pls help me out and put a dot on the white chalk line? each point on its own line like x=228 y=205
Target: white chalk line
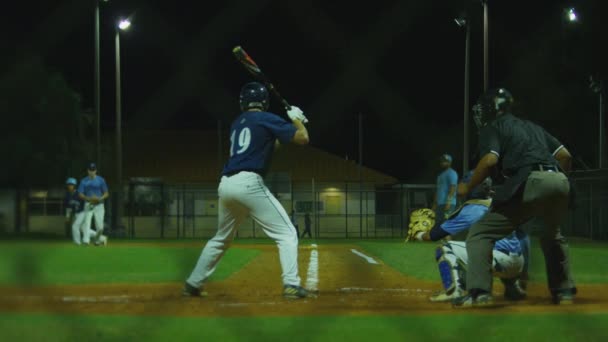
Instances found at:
x=369 y=289
x=76 y=299
x=367 y=258
x=312 y=276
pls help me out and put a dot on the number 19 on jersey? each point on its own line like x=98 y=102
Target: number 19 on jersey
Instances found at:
x=243 y=141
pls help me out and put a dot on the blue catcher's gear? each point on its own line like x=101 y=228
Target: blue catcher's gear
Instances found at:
x=71 y=181
x=254 y=95
x=482 y=191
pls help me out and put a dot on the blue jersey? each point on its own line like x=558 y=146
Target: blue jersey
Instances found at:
x=73 y=201
x=93 y=187
x=468 y=215
x=445 y=180
x=252 y=139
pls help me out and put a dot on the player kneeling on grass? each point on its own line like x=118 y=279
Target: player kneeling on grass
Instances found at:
x=242 y=192
x=508 y=255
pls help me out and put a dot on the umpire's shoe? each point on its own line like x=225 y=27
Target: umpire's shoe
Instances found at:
x=296 y=292
x=564 y=296
x=474 y=300
x=513 y=290
x=191 y=291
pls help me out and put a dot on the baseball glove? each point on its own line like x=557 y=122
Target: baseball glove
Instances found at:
x=421 y=220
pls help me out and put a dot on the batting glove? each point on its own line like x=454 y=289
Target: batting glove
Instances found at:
x=296 y=113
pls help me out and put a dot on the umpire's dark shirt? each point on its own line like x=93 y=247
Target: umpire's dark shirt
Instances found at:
x=520 y=146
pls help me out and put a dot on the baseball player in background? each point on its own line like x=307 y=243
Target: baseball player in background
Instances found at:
x=93 y=190
x=74 y=210
x=253 y=136
x=510 y=254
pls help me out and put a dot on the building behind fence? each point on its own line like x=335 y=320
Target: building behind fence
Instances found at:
x=154 y=209
x=363 y=203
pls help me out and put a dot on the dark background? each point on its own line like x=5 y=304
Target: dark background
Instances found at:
x=399 y=64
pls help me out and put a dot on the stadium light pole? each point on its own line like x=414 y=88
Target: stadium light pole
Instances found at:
x=485 y=45
x=123 y=25
x=97 y=86
x=463 y=22
x=597 y=86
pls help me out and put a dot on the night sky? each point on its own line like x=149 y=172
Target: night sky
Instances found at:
x=397 y=63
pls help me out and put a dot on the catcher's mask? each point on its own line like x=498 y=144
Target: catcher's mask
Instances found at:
x=482 y=191
x=491 y=105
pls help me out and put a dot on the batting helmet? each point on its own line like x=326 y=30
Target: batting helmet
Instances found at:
x=254 y=95
x=71 y=181
x=492 y=104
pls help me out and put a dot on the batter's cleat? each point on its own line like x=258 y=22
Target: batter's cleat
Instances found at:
x=103 y=240
x=564 y=297
x=191 y=291
x=443 y=296
x=296 y=292
x=469 y=301
x=513 y=290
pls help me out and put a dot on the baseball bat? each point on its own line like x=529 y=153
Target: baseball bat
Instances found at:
x=257 y=73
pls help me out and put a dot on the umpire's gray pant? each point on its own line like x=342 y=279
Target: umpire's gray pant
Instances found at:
x=546 y=197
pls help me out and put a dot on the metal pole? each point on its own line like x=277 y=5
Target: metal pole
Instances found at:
x=118 y=133
x=485 y=44
x=466 y=143
x=602 y=128
x=97 y=90
x=360 y=175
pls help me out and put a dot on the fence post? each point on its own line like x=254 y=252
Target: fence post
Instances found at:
x=346 y=206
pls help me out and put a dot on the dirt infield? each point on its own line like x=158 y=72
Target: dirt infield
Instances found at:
x=349 y=282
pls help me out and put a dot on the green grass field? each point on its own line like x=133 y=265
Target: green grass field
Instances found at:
x=53 y=263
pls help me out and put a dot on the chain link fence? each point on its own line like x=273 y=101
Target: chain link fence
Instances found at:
x=153 y=209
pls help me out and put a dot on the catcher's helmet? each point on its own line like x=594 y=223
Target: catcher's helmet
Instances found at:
x=71 y=181
x=492 y=104
x=254 y=95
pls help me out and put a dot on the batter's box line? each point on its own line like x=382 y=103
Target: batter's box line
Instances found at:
x=370 y=289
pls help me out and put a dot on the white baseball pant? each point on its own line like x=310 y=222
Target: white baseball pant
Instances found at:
x=241 y=195
x=77 y=227
x=506 y=266
x=97 y=212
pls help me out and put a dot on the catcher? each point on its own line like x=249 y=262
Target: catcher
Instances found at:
x=509 y=254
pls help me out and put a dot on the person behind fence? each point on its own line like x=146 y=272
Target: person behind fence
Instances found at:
x=534 y=166
x=445 y=195
x=294 y=221
x=74 y=210
x=94 y=191
x=509 y=253
x=307 y=223
x=254 y=134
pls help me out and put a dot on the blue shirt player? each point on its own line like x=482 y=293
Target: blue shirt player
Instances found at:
x=445 y=195
x=509 y=254
x=74 y=210
x=253 y=137
x=94 y=190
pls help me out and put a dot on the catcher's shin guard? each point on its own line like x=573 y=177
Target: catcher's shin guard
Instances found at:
x=451 y=273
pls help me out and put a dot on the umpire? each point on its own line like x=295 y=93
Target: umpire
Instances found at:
x=532 y=164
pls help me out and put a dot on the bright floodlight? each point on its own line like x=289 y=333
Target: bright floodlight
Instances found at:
x=461 y=22
x=124 y=24
x=572 y=15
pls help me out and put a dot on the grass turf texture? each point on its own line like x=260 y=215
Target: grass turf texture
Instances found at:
x=556 y=327
x=418 y=259
x=62 y=263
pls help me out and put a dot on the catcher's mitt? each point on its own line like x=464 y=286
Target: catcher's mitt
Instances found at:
x=421 y=220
